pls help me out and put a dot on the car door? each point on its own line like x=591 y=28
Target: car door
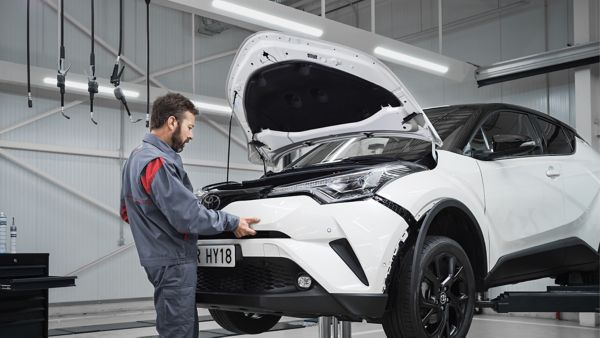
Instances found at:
x=580 y=173
x=523 y=191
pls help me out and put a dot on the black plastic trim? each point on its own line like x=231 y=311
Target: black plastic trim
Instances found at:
x=425 y=224
x=343 y=248
x=546 y=260
x=259 y=234
x=314 y=302
x=405 y=214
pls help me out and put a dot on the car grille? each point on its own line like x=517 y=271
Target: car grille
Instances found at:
x=251 y=275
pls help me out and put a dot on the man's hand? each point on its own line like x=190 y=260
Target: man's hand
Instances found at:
x=243 y=229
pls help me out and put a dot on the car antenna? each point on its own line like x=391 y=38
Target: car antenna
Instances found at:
x=62 y=71
x=118 y=69
x=92 y=83
x=29 y=100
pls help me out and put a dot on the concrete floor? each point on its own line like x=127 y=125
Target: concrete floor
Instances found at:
x=488 y=326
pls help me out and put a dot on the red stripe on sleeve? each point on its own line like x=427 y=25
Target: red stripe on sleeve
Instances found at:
x=124 y=214
x=151 y=169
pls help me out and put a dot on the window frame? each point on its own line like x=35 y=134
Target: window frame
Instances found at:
x=571 y=140
x=537 y=137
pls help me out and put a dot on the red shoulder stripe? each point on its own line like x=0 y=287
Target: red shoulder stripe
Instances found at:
x=124 y=215
x=151 y=169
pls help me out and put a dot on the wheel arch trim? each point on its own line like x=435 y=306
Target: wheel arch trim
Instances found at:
x=425 y=223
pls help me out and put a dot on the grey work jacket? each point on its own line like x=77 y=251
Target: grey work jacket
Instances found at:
x=158 y=202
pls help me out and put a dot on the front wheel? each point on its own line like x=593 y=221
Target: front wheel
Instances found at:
x=445 y=299
x=244 y=322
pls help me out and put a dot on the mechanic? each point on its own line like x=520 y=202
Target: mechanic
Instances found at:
x=166 y=217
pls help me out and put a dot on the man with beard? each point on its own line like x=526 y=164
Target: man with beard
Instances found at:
x=166 y=217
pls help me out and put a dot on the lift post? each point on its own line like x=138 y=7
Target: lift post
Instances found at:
x=329 y=325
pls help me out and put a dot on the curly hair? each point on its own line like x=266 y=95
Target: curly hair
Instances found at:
x=171 y=104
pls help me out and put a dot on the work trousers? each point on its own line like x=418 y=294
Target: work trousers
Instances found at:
x=175 y=299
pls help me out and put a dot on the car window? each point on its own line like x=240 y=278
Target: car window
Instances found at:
x=572 y=138
x=317 y=154
x=555 y=139
x=503 y=130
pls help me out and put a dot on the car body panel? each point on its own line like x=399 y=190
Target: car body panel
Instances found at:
x=374 y=233
x=581 y=180
x=521 y=201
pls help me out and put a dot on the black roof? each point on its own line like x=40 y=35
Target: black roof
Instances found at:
x=446 y=119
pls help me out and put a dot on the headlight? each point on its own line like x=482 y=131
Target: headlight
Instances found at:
x=356 y=185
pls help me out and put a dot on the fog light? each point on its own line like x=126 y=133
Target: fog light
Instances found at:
x=304 y=282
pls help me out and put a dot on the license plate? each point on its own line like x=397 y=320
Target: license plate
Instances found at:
x=216 y=255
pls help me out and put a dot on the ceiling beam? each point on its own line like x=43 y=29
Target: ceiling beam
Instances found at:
x=188 y=64
x=541 y=63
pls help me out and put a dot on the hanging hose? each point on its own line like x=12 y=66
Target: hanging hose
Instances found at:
x=147 y=63
x=92 y=83
x=62 y=71
x=118 y=69
x=29 y=100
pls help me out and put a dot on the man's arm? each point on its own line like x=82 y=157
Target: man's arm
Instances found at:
x=181 y=207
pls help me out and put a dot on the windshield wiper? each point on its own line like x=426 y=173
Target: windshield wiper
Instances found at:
x=369 y=159
x=319 y=166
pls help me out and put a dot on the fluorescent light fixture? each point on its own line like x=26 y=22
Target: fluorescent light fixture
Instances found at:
x=212 y=107
x=411 y=60
x=84 y=86
x=269 y=19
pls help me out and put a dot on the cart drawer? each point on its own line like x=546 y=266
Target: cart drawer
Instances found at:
x=36 y=283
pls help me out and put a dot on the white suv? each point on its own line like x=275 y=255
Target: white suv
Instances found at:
x=391 y=213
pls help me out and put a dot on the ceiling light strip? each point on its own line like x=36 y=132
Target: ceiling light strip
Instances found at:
x=269 y=19
x=410 y=60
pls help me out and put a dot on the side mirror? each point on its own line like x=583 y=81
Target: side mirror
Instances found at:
x=508 y=145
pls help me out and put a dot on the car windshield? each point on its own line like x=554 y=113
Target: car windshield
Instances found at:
x=366 y=149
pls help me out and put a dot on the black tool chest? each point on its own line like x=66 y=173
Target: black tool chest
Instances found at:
x=24 y=284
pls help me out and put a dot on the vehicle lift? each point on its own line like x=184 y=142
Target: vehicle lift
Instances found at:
x=583 y=298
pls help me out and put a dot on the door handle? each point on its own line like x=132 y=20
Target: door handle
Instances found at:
x=552 y=173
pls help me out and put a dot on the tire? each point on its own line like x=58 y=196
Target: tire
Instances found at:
x=244 y=322
x=439 y=312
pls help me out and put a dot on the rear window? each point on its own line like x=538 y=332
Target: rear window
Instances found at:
x=555 y=139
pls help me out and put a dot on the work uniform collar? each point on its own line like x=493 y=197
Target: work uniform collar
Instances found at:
x=161 y=145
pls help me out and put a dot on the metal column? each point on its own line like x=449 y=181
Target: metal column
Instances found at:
x=346 y=329
x=324 y=327
x=329 y=325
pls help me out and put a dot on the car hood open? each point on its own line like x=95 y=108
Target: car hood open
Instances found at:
x=286 y=91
